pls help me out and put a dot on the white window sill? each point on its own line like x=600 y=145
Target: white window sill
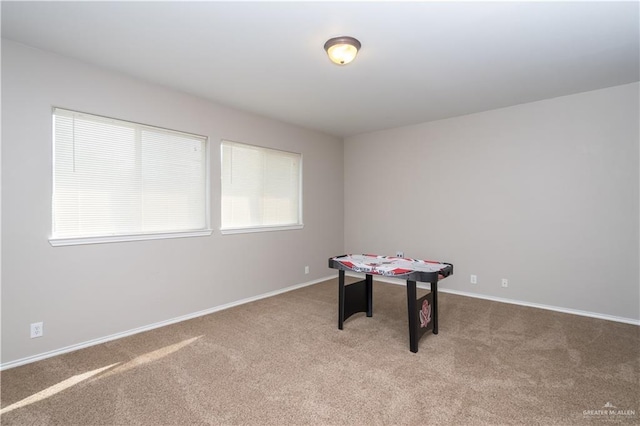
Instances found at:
x=57 y=242
x=227 y=231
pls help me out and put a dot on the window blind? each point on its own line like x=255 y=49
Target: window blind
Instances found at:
x=113 y=177
x=261 y=187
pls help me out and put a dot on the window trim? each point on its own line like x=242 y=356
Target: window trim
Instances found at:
x=71 y=241
x=61 y=242
x=266 y=228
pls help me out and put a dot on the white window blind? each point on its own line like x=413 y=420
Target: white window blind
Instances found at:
x=261 y=188
x=117 y=178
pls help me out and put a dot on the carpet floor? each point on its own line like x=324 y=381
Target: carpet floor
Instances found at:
x=282 y=361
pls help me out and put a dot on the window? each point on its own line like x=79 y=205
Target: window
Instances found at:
x=115 y=181
x=261 y=188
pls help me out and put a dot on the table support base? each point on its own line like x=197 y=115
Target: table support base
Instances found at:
x=353 y=298
x=422 y=312
x=358 y=297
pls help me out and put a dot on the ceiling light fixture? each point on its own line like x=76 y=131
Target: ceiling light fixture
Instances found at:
x=342 y=50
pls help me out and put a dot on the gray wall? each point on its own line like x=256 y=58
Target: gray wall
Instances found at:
x=544 y=194
x=92 y=291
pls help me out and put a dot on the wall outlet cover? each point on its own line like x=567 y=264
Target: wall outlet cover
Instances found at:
x=37 y=329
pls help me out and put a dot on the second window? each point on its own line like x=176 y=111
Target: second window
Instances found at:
x=261 y=188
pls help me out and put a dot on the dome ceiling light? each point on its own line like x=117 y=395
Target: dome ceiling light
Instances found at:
x=342 y=50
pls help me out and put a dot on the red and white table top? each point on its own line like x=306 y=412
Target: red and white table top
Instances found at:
x=390 y=266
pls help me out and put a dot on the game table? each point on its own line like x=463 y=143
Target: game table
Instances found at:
x=358 y=296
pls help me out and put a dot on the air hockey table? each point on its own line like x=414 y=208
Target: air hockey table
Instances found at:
x=358 y=296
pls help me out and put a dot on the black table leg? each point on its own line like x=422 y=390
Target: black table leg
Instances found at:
x=434 y=291
x=369 y=281
x=412 y=309
x=423 y=313
x=340 y=299
x=353 y=298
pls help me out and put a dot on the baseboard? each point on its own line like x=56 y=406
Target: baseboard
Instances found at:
x=516 y=302
x=93 y=342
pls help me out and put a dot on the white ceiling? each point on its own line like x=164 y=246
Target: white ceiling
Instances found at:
x=420 y=61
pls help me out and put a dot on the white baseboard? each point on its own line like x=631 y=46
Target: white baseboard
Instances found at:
x=547 y=307
x=93 y=342
x=514 y=302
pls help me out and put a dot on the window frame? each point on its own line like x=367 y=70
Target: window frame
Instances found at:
x=263 y=228
x=155 y=235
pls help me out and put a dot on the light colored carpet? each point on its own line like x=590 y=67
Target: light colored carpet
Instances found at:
x=282 y=360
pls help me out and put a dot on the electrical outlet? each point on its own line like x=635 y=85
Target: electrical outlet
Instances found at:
x=306 y=269
x=505 y=283
x=37 y=329
x=399 y=254
x=474 y=279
